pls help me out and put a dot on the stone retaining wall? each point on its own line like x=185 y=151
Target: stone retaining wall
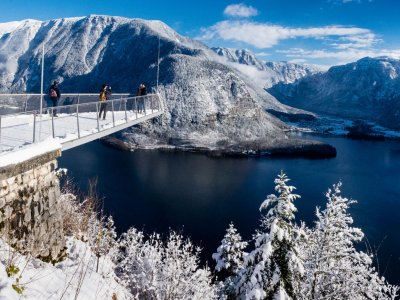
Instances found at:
x=30 y=218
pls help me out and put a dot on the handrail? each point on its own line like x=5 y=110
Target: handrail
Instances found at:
x=25 y=102
x=80 y=104
x=63 y=94
x=14 y=129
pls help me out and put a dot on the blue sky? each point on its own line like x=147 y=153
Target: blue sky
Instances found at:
x=324 y=32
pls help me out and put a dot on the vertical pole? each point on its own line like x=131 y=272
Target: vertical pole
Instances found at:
x=77 y=121
x=26 y=103
x=34 y=127
x=41 y=92
x=136 y=106
x=126 y=114
x=158 y=61
x=151 y=104
x=41 y=81
x=120 y=102
x=78 y=98
x=52 y=122
x=97 y=114
x=144 y=104
x=112 y=108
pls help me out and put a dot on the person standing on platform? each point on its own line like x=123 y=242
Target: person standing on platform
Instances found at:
x=54 y=95
x=103 y=97
x=141 y=92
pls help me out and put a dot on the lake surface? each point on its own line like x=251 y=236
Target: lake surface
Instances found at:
x=200 y=196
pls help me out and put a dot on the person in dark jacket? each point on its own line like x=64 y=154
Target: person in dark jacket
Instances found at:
x=54 y=96
x=141 y=91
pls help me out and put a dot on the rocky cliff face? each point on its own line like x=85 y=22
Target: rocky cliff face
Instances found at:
x=367 y=89
x=208 y=103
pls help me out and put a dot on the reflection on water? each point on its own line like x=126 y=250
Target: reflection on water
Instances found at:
x=201 y=195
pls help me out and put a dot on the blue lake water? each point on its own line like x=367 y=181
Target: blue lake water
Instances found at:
x=199 y=195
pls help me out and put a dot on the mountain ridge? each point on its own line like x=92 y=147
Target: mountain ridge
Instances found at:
x=366 y=89
x=268 y=73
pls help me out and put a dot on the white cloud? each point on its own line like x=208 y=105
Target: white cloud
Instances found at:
x=358 y=41
x=341 y=56
x=346 y=1
x=240 y=10
x=298 y=61
x=261 y=35
x=262 y=54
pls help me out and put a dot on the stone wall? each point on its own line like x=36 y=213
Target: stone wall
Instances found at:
x=30 y=218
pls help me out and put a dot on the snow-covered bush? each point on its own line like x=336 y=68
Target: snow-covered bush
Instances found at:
x=85 y=221
x=156 y=269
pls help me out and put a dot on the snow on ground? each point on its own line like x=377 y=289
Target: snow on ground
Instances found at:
x=11 y=158
x=73 y=278
x=336 y=126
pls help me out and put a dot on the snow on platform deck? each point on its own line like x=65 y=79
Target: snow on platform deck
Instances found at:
x=71 y=128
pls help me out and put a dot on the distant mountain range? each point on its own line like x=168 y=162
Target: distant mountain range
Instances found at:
x=267 y=74
x=209 y=103
x=366 y=89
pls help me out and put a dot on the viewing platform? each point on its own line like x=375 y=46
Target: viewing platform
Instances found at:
x=76 y=122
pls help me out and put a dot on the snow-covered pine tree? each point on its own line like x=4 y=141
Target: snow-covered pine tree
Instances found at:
x=335 y=269
x=229 y=255
x=229 y=259
x=273 y=268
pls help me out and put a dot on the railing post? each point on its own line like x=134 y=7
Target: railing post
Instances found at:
x=126 y=114
x=112 y=108
x=77 y=121
x=120 y=101
x=136 y=108
x=26 y=102
x=97 y=115
x=52 y=122
x=34 y=127
x=77 y=101
x=144 y=104
x=151 y=104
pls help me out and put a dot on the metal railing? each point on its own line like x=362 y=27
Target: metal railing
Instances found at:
x=14 y=103
x=73 y=121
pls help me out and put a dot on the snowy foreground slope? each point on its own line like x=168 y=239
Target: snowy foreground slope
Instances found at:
x=208 y=103
x=367 y=89
x=266 y=74
x=73 y=278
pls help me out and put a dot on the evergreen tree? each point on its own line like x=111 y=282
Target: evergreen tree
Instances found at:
x=229 y=259
x=335 y=269
x=229 y=255
x=272 y=270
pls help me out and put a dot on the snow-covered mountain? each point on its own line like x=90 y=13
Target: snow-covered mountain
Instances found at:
x=266 y=74
x=208 y=102
x=241 y=56
x=368 y=89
